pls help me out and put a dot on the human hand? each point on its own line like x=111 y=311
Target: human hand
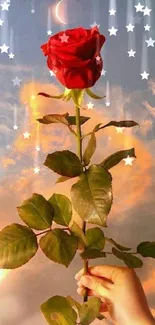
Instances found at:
x=124 y=300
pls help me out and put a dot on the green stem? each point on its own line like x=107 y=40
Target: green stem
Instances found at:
x=79 y=152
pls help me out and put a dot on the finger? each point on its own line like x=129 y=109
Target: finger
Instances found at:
x=109 y=272
x=99 y=285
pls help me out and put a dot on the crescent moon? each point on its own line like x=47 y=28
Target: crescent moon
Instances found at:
x=57 y=12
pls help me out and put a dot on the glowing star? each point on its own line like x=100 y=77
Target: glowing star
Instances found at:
x=131 y=53
x=146 y=11
x=112 y=12
x=51 y=73
x=32 y=11
x=26 y=135
x=128 y=160
x=16 y=82
x=1 y=22
x=103 y=72
x=147 y=27
x=139 y=7
x=98 y=59
x=95 y=25
x=64 y=38
x=15 y=127
x=8 y=147
x=4 y=48
x=107 y=104
x=36 y=170
x=130 y=27
x=37 y=148
x=5 y=6
x=120 y=129
x=11 y=56
x=144 y=75
x=33 y=97
x=49 y=32
x=90 y=105
x=150 y=42
x=113 y=31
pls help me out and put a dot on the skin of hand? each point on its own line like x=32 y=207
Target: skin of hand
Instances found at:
x=119 y=288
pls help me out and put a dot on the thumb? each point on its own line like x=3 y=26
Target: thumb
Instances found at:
x=100 y=286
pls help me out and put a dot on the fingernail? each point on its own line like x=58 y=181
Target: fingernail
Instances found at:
x=85 y=278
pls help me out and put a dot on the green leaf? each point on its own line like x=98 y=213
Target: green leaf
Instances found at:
x=73 y=302
x=96 y=128
x=18 y=244
x=62 y=179
x=90 y=149
x=77 y=231
x=59 y=246
x=92 y=95
x=126 y=124
x=72 y=120
x=146 y=249
x=95 y=238
x=55 y=118
x=129 y=259
x=58 y=311
x=91 y=253
x=115 y=158
x=89 y=311
x=62 y=209
x=64 y=163
x=50 y=96
x=77 y=96
x=36 y=212
x=120 y=247
x=92 y=195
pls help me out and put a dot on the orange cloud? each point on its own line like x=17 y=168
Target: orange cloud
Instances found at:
x=7 y=162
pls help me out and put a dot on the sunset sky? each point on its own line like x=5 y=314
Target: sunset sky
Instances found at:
x=131 y=220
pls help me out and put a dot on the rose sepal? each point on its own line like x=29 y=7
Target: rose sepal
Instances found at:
x=93 y=95
x=66 y=95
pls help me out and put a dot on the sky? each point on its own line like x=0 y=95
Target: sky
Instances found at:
x=131 y=220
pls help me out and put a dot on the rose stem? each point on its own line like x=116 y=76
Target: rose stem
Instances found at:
x=79 y=152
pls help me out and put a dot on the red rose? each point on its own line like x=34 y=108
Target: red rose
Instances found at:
x=74 y=56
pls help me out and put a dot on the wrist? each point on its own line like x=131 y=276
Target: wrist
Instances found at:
x=146 y=320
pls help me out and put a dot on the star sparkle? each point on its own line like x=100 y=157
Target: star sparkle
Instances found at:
x=36 y=170
x=5 y=6
x=128 y=160
x=131 y=53
x=64 y=38
x=37 y=148
x=103 y=72
x=95 y=25
x=144 y=75
x=16 y=82
x=32 y=11
x=11 y=56
x=139 y=7
x=112 y=31
x=1 y=22
x=112 y=12
x=119 y=129
x=147 y=27
x=90 y=105
x=130 y=27
x=107 y=104
x=146 y=11
x=49 y=32
x=98 y=59
x=15 y=127
x=4 y=48
x=26 y=135
x=51 y=73
x=150 y=42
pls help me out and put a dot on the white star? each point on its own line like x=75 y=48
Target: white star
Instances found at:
x=8 y=147
x=131 y=53
x=147 y=27
x=128 y=160
x=150 y=42
x=4 y=48
x=107 y=104
x=113 y=31
x=37 y=148
x=103 y=72
x=36 y=170
x=120 y=129
x=64 y=38
x=51 y=73
x=146 y=11
x=90 y=105
x=16 y=81
x=94 y=25
x=49 y=32
x=26 y=135
x=139 y=7
x=98 y=59
x=130 y=27
x=1 y=22
x=11 y=56
x=144 y=75
x=5 y=6
x=112 y=12
x=32 y=11
x=15 y=127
